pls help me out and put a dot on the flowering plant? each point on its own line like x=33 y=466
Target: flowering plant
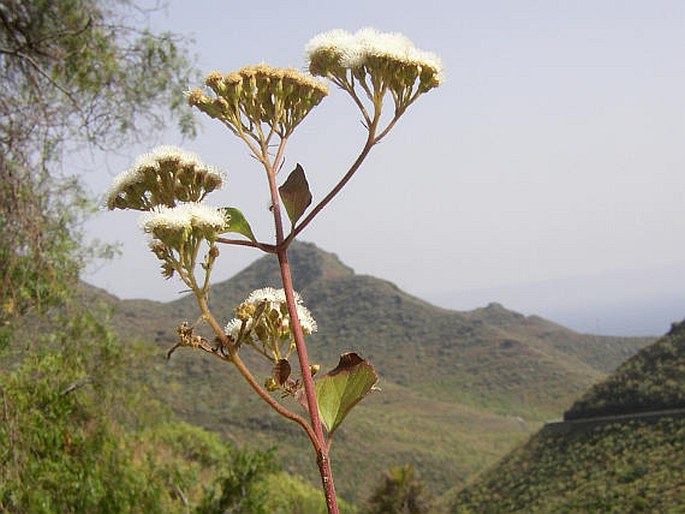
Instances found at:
x=263 y=106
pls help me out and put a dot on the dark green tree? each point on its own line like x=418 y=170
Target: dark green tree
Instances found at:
x=75 y=74
x=63 y=445
x=400 y=492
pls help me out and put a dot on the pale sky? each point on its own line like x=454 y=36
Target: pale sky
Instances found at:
x=547 y=172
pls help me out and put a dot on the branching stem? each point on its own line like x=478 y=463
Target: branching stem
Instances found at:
x=281 y=251
x=247 y=375
x=371 y=140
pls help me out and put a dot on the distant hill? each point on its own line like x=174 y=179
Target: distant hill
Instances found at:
x=619 y=302
x=460 y=389
x=627 y=463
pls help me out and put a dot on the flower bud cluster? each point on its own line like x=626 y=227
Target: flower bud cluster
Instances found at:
x=243 y=99
x=263 y=322
x=175 y=225
x=164 y=176
x=168 y=184
x=376 y=60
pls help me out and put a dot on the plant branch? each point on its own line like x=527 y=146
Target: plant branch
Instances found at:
x=76 y=385
x=247 y=375
x=265 y=247
x=296 y=328
x=371 y=140
x=68 y=94
x=349 y=87
x=390 y=125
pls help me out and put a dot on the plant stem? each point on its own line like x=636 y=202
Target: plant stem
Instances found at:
x=321 y=448
x=322 y=459
x=266 y=248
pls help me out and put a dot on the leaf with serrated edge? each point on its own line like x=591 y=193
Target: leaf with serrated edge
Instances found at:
x=237 y=223
x=295 y=194
x=342 y=388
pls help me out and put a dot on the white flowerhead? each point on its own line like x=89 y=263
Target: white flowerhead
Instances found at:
x=331 y=52
x=384 y=44
x=271 y=295
x=172 y=225
x=164 y=176
x=338 y=45
x=163 y=153
x=120 y=184
x=275 y=301
x=263 y=322
x=168 y=218
x=233 y=328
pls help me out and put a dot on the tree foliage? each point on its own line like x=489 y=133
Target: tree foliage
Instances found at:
x=400 y=492
x=74 y=73
x=63 y=449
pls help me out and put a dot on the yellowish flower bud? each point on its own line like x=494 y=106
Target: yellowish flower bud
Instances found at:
x=244 y=311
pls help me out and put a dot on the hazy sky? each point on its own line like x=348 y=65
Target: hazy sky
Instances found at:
x=546 y=173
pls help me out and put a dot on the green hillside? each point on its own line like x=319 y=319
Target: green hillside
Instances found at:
x=623 y=464
x=460 y=389
x=652 y=380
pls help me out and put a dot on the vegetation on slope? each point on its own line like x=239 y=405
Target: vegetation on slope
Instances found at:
x=629 y=466
x=652 y=380
x=491 y=358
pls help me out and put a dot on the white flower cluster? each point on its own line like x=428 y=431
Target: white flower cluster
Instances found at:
x=275 y=300
x=353 y=50
x=147 y=174
x=185 y=217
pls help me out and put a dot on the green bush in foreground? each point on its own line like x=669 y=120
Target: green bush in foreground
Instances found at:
x=76 y=436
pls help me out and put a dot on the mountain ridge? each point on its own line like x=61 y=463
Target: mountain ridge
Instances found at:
x=459 y=388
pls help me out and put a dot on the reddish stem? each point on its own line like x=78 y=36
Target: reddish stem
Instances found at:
x=322 y=452
x=310 y=394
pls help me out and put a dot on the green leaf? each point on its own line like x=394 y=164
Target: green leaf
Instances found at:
x=295 y=194
x=236 y=222
x=342 y=388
